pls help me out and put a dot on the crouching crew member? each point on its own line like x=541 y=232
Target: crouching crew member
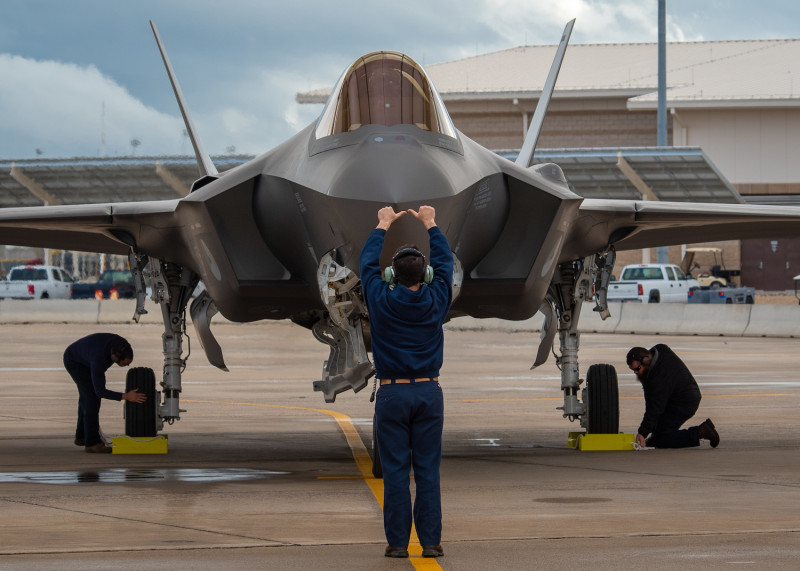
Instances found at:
x=87 y=361
x=671 y=397
x=406 y=313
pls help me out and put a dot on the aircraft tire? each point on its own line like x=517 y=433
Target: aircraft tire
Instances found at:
x=603 y=396
x=140 y=418
x=377 y=468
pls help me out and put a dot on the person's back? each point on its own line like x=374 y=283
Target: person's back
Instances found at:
x=86 y=360
x=669 y=375
x=671 y=397
x=406 y=324
x=406 y=314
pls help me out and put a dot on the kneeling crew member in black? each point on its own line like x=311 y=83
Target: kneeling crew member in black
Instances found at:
x=87 y=361
x=408 y=349
x=671 y=397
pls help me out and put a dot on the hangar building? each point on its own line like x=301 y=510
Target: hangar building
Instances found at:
x=734 y=121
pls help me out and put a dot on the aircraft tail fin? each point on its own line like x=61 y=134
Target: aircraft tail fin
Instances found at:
x=525 y=157
x=203 y=159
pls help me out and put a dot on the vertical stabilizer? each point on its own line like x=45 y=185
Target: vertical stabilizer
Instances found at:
x=525 y=158
x=203 y=159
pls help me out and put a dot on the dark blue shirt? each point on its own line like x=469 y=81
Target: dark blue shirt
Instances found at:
x=94 y=353
x=406 y=325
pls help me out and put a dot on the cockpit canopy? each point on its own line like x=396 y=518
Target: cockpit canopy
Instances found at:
x=384 y=88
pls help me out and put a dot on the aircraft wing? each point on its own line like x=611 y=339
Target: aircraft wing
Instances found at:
x=111 y=228
x=634 y=224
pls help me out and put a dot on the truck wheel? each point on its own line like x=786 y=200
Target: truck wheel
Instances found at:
x=655 y=297
x=140 y=418
x=715 y=285
x=603 y=396
x=377 y=468
x=45 y=295
x=749 y=299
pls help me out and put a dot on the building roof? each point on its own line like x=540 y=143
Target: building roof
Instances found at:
x=710 y=74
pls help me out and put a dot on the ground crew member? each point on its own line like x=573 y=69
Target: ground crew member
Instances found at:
x=406 y=314
x=87 y=361
x=671 y=397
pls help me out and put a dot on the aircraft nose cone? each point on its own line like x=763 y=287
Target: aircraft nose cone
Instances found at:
x=392 y=169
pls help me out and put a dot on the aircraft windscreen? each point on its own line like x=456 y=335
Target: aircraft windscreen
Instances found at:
x=384 y=88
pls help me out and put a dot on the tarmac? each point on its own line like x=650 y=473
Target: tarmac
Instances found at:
x=262 y=474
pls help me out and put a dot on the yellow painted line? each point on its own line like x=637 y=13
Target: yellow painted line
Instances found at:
x=364 y=463
x=559 y=399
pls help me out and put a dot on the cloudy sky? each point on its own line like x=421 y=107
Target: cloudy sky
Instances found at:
x=84 y=78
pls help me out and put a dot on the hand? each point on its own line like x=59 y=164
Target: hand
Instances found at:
x=387 y=215
x=134 y=396
x=640 y=440
x=426 y=215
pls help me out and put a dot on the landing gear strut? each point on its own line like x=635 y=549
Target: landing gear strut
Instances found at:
x=597 y=405
x=172 y=287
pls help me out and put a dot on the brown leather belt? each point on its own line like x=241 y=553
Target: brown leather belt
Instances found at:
x=407 y=381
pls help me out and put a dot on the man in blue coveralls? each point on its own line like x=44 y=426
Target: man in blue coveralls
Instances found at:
x=406 y=320
x=87 y=361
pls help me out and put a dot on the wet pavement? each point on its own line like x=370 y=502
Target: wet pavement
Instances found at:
x=261 y=473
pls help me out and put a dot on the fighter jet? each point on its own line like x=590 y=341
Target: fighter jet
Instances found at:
x=279 y=237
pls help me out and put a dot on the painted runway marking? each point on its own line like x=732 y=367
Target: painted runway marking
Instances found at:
x=487 y=441
x=18 y=369
x=363 y=462
x=124 y=475
x=523 y=399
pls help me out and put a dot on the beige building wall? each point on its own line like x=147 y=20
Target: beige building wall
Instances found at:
x=602 y=122
x=756 y=148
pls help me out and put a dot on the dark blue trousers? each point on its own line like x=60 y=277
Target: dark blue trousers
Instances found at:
x=409 y=420
x=88 y=428
x=669 y=435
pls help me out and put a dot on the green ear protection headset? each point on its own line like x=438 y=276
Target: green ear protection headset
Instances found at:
x=427 y=273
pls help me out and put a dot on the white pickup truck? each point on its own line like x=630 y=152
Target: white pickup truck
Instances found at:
x=36 y=282
x=652 y=283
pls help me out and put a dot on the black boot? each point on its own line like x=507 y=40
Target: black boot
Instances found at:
x=708 y=432
x=401 y=552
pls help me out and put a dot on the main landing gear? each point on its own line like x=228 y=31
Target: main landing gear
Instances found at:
x=172 y=286
x=596 y=406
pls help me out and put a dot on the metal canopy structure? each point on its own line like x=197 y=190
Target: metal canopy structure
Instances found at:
x=93 y=180
x=682 y=174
